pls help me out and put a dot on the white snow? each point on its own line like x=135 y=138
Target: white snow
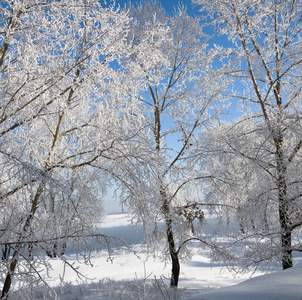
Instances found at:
x=116 y=220
x=285 y=285
x=137 y=275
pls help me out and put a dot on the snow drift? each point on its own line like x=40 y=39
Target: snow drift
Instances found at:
x=280 y=285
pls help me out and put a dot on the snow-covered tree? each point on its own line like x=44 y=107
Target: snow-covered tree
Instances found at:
x=181 y=94
x=261 y=152
x=62 y=106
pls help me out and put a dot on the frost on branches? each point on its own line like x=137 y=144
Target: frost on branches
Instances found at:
x=259 y=156
x=159 y=182
x=62 y=106
x=91 y=93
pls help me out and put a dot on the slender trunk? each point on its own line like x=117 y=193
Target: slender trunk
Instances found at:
x=165 y=207
x=20 y=244
x=287 y=260
x=174 y=256
x=10 y=273
x=286 y=238
x=171 y=244
x=286 y=235
x=52 y=251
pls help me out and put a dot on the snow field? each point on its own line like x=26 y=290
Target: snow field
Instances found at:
x=129 y=275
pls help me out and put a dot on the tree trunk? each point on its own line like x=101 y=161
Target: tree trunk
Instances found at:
x=52 y=250
x=15 y=257
x=287 y=260
x=10 y=273
x=174 y=256
x=286 y=238
x=284 y=219
x=171 y=244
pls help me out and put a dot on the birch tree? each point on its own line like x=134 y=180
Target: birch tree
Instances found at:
x=59 y=98
x=265 y=55
x=181 y=95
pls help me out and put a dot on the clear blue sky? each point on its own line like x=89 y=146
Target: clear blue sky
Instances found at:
x=167 y=5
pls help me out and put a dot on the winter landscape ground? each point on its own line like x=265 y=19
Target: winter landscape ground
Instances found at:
x=135 y=275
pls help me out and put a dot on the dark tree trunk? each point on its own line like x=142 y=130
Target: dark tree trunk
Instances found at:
x=20 y=244
x=287 y=261
x=173 y=254
x=10 y=273
x=286 y=238
x=284 y=218
x=172 y=250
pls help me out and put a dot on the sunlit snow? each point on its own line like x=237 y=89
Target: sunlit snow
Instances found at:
x=135 y=275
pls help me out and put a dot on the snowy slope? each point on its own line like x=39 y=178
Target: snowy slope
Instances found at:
x=285 y=285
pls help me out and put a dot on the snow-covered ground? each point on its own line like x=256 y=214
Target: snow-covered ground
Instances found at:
x=135 y=275
x=285 y=285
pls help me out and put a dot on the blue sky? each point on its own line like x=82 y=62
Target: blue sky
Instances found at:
x=167 y=5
